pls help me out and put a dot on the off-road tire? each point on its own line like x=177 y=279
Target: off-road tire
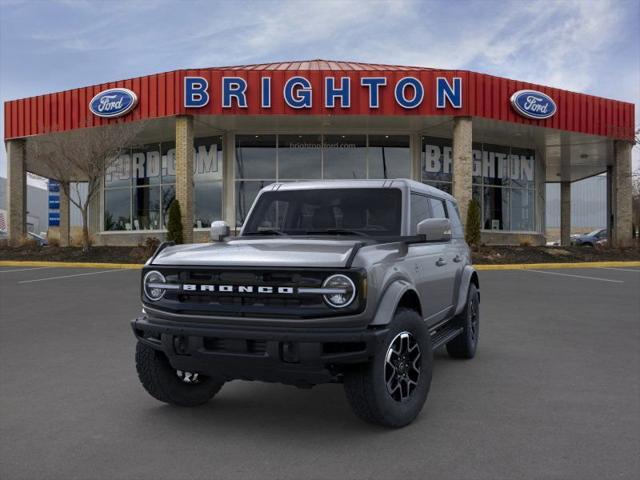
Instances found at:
x=365 y=385
x=160 y=379
x=465 y=344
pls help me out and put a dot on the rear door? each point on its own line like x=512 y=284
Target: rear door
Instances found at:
x=430 y=265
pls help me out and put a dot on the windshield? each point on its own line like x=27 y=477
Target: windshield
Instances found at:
x=339 y=211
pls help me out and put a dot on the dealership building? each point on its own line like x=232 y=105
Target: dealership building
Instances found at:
x=212 y=138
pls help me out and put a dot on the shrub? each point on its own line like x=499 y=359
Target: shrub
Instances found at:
x=174 y=225
x=472 y=233
x=54 y=242
x=151 y=244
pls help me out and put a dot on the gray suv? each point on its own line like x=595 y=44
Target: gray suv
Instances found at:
x=353 y=282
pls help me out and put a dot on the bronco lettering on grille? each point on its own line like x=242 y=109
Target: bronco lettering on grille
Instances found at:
x=190 y=287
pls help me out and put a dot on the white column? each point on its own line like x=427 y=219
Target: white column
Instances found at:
x=462 y=163
x=565 y=213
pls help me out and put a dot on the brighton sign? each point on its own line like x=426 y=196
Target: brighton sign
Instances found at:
x=298 y=93
x=113 y=103
x=533 y=104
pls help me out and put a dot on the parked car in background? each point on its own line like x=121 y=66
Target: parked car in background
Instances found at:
x=591 y=239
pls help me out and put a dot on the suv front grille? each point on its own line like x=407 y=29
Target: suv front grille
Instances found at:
x=287 y=304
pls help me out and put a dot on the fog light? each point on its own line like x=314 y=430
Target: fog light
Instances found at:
x=340 y=291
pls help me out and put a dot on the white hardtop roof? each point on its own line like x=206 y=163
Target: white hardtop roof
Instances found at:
x=395 y=183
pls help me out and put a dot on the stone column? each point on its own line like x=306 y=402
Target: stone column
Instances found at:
x=184 y=173
x=65 y=215
x=462 y=163
x=16 y=191
x=228 y=179
x=565 y=213
x=621 y=235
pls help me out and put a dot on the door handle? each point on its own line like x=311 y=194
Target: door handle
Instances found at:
x=457 y=259
x=441 y=262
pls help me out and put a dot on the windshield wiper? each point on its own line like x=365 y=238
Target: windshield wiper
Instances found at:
x=266 y=232
x=337 y=231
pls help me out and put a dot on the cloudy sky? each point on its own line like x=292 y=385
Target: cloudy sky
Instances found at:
x=583 y=45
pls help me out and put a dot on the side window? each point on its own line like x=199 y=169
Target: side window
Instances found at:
x=454 y=216
x=419 y=210
x=437 y=207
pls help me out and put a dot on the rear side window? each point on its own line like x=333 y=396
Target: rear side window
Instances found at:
x=437 y=208
x=454 y=217
x=419 y=211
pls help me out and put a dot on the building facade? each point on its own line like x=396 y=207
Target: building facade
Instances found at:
x=213 y=137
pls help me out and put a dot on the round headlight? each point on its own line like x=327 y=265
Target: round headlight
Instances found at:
x=342 y=293
x=151 y=285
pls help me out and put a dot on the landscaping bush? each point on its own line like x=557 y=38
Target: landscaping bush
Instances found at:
x=174 y=226
x=472 y=232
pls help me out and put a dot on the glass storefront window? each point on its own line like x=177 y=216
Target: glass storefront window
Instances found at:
x=168 y=162
x=522 y=167
x=436 y=160
x=256 y=156
x=496 y=208
x=145 y=165
x=299 y=156
x=444 y=186
x=118 y=174
x=345 y=156
x=389 y=156
x=117 y=205
x=168 y=194
x=208 y=203
x=521 y=210
x=146 y=208
x=207 y=160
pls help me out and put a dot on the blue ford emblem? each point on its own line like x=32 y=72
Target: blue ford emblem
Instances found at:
x=114 y=102
x=533 y=104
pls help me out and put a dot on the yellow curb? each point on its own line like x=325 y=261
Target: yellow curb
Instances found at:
x=525 y=266
x=28 y=263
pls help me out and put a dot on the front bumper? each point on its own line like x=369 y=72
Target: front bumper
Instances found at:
x=302 y=356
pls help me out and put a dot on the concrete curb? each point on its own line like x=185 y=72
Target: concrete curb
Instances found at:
x=510 y=266
x=29 y=263
x=525 y=266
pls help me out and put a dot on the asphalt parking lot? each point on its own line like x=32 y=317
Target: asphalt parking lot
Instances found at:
x=554 y=392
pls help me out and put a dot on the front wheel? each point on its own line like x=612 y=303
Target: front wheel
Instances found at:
x=164 y=383
x=392 y=388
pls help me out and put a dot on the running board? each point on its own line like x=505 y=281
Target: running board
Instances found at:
x=444 y=335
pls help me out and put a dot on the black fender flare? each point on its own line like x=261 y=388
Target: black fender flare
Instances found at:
x=389 y=302
x=469 y=275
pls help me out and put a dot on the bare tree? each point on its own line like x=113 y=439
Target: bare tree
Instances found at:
x=82 y=156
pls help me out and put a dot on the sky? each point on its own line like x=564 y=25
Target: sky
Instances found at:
x=590 y=46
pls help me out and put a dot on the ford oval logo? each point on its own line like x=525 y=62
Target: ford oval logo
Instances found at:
x=533 y=104
x=114 y=102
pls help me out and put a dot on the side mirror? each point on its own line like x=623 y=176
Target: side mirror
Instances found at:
x=435 y=229
x=219 y=231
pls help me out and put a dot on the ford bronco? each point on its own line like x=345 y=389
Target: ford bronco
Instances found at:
x=354 y=282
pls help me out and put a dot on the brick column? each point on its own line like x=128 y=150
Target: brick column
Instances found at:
x=65 y=215
x=16 y=191
x=184 y=173
x=462 y=163
x=565 y=213
x=228 y=179
x=621 y=235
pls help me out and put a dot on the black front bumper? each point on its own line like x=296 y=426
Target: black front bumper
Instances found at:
x=300 y=356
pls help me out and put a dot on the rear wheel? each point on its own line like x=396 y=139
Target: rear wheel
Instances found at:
x=392 y=388
x=465 y=344
x=164 y=383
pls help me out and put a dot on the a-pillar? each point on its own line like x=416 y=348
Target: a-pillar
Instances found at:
x=621 y=185
x=16 y=191
x=565 y=213
x=184 y=173
x=65 y=214
x=462 y=163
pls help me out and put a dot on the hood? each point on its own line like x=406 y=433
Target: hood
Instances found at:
x=261 y=252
